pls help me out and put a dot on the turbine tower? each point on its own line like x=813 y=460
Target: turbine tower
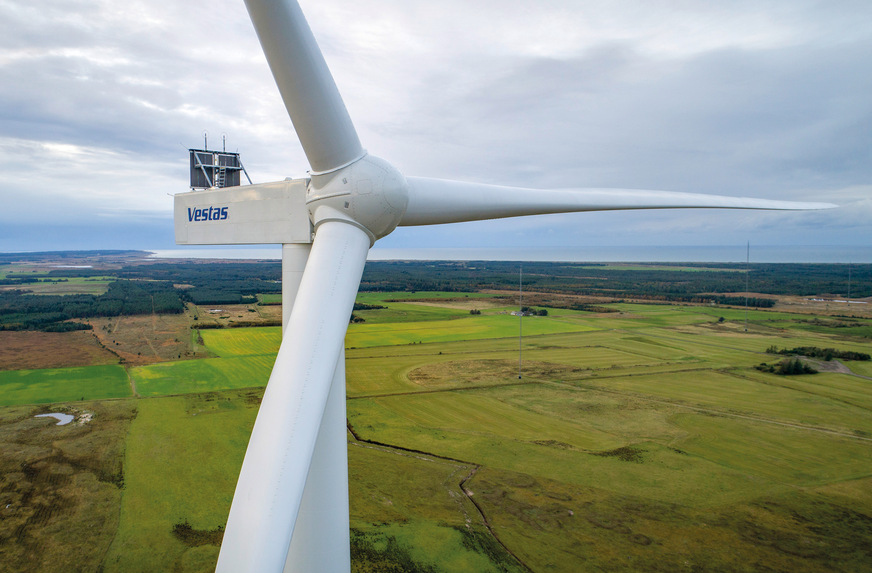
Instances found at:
x=290 y=508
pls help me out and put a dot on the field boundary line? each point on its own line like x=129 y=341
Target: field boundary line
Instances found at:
x=132 y=383
x=462 y=485
x=487 y=524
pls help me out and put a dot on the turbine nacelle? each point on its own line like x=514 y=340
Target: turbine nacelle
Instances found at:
x=369 y=193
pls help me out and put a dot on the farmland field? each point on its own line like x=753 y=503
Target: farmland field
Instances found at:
x=243 y=341
x=61 y=485
x=638 y=439
x=21 y=350
x=144 y=339
x=468 y=328
x=169 y=378
x=63 y=384
x=75 y=285
x=180 y=462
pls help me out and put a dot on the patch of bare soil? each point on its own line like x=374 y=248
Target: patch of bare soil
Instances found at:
x=834 y=366
x=462 y=303
x=236 y=315
x=830 y=366
x=824 y=307
x=146 y=339
x=33 y=350
x=60 y=486
x=726 y=329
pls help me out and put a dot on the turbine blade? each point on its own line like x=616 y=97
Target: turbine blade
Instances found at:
x=436 y=201
x=306 y=85
x=320 y=541
x=280 y=451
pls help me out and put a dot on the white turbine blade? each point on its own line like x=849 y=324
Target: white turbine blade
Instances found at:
x=271 y=483
x=306 y=85
x=320 y=541
x=436 y=201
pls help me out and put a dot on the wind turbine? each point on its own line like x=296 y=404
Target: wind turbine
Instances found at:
x=290 y=508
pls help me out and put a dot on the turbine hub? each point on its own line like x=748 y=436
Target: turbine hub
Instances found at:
x=369 y=192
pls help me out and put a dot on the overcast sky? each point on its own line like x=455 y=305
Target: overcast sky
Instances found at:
x=100 y=100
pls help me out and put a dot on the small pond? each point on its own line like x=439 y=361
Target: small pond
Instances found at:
x=63 y=419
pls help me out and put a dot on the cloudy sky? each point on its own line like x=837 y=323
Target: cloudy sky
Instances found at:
x=100 y=99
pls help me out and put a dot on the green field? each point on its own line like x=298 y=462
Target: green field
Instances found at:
x=207 y=375
x=56 y=285
x=402 y=307
x=71 y=285
x=468 y=328
x=180 y=465
x=227 y=342
x=269 y=298
x=63 y=385
x=638 y=440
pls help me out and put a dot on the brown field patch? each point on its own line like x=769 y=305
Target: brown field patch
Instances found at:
x=146 y=339
x=33 y=350
x=60 y=486
x=462 y=303
x=807 y=305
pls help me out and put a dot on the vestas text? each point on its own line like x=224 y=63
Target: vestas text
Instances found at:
x=210 y=214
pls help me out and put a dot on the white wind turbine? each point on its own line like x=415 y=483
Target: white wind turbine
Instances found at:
x=290 y=509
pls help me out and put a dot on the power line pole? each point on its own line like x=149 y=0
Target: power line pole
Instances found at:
x=747 y=278
x=849 y=283
x=520 y=315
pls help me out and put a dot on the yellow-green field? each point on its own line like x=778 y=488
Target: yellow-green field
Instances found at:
x=638 y=440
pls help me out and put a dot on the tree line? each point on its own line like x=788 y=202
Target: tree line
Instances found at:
x=23 y=311
x=694 y=282
x=164 y=287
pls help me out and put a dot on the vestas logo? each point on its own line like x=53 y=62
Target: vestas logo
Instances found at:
x=210 y=214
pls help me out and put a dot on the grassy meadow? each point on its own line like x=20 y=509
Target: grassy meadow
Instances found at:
x=640 y=440
x=49 y=385
x=181 y=461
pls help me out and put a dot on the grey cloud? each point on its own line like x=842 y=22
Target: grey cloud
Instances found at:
x=440 y=93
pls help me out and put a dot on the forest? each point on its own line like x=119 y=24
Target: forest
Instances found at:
x=22 y=311
x=690 y=282
x=143 y=286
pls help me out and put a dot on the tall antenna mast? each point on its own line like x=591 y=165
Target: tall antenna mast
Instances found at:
x=849 y=283
x=747 y=278
x=520 y=314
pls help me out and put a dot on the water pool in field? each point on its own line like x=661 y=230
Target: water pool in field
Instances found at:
x=63 y=419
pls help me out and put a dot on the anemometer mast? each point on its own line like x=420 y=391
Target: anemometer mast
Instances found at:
x=215 y=169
